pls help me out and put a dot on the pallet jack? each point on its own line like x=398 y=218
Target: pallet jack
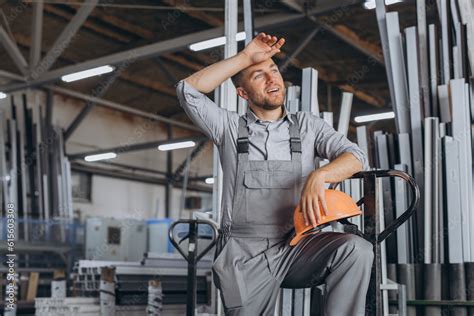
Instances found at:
x=372 y=232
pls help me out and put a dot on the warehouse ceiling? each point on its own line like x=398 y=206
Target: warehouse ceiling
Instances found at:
x=346 y=49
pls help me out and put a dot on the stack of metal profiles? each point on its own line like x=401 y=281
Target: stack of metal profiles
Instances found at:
x=36 y=180
x=432 y=99
x=66 y=306
x=132 y=279
x=78 y=306
x=430 y=75
x=34 y=170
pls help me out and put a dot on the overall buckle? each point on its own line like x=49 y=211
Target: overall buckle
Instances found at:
x=242 y=145
x=295 y=145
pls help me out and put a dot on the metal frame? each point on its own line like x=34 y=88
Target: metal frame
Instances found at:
x=345 y=113
x=453 y=200
x=400 y=93
x=458 y=67
x=309 y=91
x=64 y=38
x=416 y=119
x=148 y=51
x=88 y=107
x=381 y=21
x=433 y=54
x=431 y=200
x=293 y=99
x=163 y=68
x=135 y=147
x=121 y=107
x=348 y=40
x=460 y=128
x=37 y=32
x=362 y=141
x=248 y=21
x=445 y=63
x=422 y=55
x=444 y=107
x=403 y=237
x=299 y=48
x=13 y=51
x=134 y=177
x=192 y=155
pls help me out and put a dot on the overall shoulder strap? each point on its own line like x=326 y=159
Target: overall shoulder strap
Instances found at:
x=295 y=139
x=242 y=140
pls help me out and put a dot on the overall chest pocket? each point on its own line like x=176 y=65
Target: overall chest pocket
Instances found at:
x=269 y=197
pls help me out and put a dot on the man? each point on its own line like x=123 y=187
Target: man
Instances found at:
x=266 y=156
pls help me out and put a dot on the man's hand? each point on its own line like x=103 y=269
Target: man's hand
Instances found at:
x=262 y=47
x=313 y=193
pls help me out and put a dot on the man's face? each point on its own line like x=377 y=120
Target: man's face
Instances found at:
x=262 y=85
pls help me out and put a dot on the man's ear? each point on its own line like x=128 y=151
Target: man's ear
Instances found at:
x=242 y=93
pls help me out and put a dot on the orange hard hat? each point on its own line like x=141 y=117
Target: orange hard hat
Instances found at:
x=339 y=206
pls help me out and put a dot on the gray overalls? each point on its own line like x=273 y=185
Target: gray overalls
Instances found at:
x=253 y=256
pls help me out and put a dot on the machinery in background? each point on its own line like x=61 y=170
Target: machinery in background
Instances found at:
x=115 y=239
x=132 y=279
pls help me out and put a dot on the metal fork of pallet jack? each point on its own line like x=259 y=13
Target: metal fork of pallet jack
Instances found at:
x=192 y=257
x=372 y=227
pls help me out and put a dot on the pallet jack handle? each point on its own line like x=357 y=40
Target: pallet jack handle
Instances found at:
x=192 y=257
x=366 y=175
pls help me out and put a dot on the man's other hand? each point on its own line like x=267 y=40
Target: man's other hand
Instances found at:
x=313 y=193
x=262 y=47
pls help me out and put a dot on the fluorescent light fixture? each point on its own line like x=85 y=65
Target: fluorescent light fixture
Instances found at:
x=218 y=41
x=389 y=2
x=172 y=146
x=100 y=157
x=87 y=73
x=374 y=117
x=209 y=180
x=3 y=95
x=370 y=4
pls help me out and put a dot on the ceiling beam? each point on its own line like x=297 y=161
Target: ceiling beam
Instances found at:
x=142 y=32
x=91 y=25
x=183 y=61
x=133 y=176
x=122 y=24
x=64 y=39
x=126 y=148
x=340 y=31
x=37 y=32
x=182 y=5
x=343 y=33
x=330 y=77
x=149 y=83
x=124 y=75
x=150 y=50
x=13 y=51
x=122 y=108
x=300 y=47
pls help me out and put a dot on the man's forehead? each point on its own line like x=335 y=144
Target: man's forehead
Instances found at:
x=264 y=64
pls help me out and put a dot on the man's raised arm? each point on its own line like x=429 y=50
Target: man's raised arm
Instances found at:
x=259 y=49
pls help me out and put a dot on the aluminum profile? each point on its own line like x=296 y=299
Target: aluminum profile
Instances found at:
x=400 y=106
x=309 y=91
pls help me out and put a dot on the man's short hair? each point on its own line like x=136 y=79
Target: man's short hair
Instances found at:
x=237 y=79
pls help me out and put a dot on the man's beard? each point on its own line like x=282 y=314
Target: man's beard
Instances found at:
x=266 y=105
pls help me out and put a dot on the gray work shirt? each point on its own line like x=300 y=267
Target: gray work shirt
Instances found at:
x=268 y=140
